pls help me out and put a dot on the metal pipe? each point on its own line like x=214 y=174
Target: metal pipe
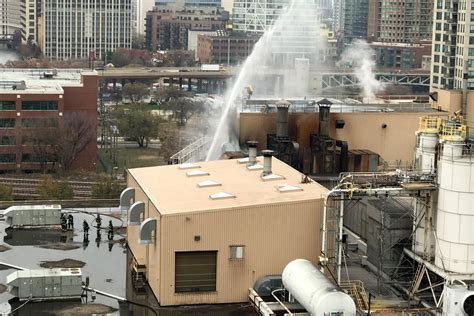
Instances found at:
x=339 y=241
x=252 y=152
x=282 y=118
x=344 y=159
x=280 y=302
x=267 y=162
x=324 y=110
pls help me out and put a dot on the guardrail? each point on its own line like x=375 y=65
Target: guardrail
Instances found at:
x=192 y=152
x=79 y=203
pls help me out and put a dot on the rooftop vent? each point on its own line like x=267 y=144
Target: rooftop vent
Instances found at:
x=208 y=183
x=252 y=152
x=146 y=231
x=197 y=173
x=288 y=188
x=267 y=162
x=188 y=166
x=136 y=210
x=126 y=198
x=221 y=196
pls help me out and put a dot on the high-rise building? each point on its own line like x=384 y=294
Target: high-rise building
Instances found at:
x=257 y=15
x=405 y=21
x=73 y=29
x=179 y=4
x=12 y=16
x=356 y=19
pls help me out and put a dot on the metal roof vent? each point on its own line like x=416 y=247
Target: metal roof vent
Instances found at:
x=146 y=231
x=208 y=183
x=267 y=162
x=221 y=196
x=126 y=198
x=188 y=166
x=136 y=210
x=197 y=173
x=288 y=188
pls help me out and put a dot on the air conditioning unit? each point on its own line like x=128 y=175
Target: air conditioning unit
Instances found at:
x=458 y=301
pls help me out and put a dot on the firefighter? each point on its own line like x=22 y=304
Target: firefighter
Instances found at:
x=63 y=222
x=70 y=221
x=110 y=232
x=98 y=221
x=85 y=228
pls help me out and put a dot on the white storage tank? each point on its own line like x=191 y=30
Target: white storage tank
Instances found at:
x=33 y=215
x=314 y=291
x=455 y=216
x=43 y=284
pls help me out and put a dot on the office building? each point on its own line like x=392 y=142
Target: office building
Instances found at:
x=168 y=29
x=257 y=15
x=229 y=49
x=205 y=233
x=76 y=29
x=180 y=4
x=356 y=19
x=404 y=21
x=31 y=100
x=396 y=56
x=12 y=16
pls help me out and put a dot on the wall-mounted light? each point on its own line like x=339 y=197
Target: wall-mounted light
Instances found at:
x=384 y=125
x=197 y=238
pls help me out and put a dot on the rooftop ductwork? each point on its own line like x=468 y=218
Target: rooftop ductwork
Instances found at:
x=267 y=162
x=324 y=111
x=252 y=152
x=126 y=198
x=146 y=231
x=282 y=118
x=136 y=210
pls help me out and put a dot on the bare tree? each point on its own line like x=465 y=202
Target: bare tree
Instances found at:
x=63 y=143
x=135 y=91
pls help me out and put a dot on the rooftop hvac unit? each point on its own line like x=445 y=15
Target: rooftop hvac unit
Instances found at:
x=458 y=301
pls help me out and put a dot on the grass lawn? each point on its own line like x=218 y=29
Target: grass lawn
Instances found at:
x=135 y=157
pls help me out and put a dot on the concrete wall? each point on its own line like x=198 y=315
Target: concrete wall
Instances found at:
x=361 y=131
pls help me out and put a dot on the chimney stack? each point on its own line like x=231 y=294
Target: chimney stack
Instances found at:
x=282 y=118
x=324 y=110
x=252 y=152
x=267 y=162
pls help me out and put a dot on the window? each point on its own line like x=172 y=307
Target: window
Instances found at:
x=39 y=105
x=38 y=122
x=7 y=105
x=7 y=140
x=195 y=271
x=236 y=252
x=7 y=158
x=37 y=158
x=7 y=123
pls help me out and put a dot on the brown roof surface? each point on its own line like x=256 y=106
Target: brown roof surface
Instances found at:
x=172 y=191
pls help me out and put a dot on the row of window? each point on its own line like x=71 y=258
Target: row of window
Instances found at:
x=29 y=122
x=11 y=158
x=30 y=105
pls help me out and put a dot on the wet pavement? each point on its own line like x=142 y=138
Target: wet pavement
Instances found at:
x=107 y=265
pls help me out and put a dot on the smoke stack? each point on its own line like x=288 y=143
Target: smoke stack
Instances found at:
x=267 y=162
x=282 y=118
x=252 y=152
x=324 y=109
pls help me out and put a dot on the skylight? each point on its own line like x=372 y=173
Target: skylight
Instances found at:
x=272 y=176
x=255 y=167
x=222 y=195
x=188 y=166
x=208 y=183
x=288 y=188
x=197 y=173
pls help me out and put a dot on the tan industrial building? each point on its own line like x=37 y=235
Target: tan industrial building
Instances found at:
x=205 y=233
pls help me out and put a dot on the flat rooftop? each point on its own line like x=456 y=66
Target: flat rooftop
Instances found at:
x=40 y=81
x=175 y=189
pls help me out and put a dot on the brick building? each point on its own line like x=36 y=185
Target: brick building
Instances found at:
x=225 y=49
x=168 y=29
x=31 y=100
x=400 y=55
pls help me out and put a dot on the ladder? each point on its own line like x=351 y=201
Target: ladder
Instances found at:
x=419 y=274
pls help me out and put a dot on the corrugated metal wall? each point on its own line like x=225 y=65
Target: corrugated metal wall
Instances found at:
x=273 y=235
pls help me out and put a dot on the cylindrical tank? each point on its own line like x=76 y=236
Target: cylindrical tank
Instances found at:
x=455 y=216
x=314 y=291
x=425 y=161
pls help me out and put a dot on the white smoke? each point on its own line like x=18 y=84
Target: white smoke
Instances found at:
x=360 y=56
